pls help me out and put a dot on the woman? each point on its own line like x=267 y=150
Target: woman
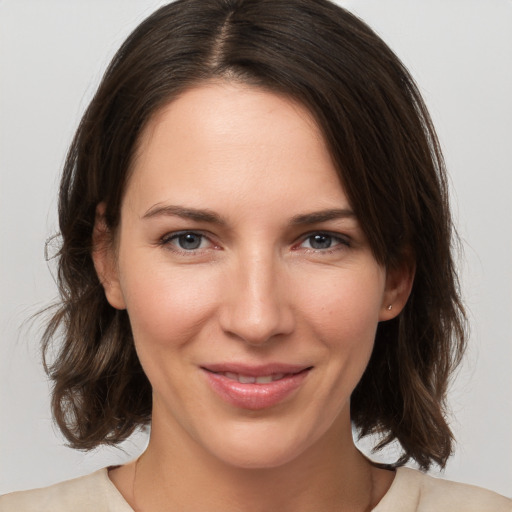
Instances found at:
x=256 y=255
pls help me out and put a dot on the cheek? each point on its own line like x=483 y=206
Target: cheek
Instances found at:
x=345 y=306
x=166 y=306
x=344 y=314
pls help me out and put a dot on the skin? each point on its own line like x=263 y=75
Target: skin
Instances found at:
x=259 y=288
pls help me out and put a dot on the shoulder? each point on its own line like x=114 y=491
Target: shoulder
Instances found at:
x=89 y=493
x=413 y=491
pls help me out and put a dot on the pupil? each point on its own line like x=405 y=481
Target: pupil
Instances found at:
x=321 y=241
x=189 y=241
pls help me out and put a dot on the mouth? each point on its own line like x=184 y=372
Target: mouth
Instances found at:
x=254 y=388
x=249 y=379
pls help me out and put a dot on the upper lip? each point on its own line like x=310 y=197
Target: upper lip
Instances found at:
x=251 y=370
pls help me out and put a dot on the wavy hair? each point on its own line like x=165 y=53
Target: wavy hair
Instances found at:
x=384 y=147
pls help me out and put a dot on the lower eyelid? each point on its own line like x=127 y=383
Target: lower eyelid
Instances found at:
x=208 y=243
x=337 y=239
x=172 y=237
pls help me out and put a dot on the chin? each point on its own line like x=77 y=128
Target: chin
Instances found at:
x=258 y=458
x=262 y=448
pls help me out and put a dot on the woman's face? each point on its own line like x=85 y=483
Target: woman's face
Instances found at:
x=251 y=289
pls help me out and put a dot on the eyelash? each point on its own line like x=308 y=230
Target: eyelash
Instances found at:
x=339 y=241
x=167 y=241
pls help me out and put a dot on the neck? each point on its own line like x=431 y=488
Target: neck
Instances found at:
x=331 y=475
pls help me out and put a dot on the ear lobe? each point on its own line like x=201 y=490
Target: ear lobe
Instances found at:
x=104 y=258
x=399 y=281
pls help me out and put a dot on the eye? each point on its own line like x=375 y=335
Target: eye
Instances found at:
x=187 y=241
x=323 y=241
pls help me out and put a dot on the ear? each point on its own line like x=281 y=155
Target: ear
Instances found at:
x=105 y=260
x=399 y=281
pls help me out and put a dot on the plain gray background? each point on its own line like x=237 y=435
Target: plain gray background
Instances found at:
x=52 y=55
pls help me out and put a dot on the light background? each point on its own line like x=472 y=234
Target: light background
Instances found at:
x=52 y=55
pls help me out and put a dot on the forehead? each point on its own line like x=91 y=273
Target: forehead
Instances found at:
x=226 y=108
x=233 y=140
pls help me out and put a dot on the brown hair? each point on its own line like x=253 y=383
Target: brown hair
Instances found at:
x=383 y=144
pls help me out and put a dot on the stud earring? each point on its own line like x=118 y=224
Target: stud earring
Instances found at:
x=390 y=307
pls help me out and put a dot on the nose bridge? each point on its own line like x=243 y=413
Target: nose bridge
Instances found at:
x=257 y=306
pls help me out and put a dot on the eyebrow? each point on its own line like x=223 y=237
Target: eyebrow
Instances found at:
x=196 y=214
x=322 y=216
x=205 y=215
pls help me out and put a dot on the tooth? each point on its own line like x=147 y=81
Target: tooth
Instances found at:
x=230 y=375
x=264 y=380
x=244 y=379
x=277 y=376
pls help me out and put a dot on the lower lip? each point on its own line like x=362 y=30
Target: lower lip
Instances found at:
x=255 y=396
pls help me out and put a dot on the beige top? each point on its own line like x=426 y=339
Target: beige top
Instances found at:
x=411 y=491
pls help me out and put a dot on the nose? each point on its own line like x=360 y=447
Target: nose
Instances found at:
x=257 y=304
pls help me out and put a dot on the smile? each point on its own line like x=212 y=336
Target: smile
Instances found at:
x=249 y=379
x=255 y=388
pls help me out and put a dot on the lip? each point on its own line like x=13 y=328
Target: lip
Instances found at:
x=254 y=396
